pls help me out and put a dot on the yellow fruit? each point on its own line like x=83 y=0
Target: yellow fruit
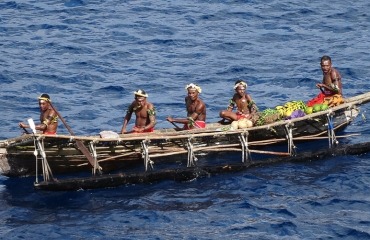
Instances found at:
x=234 y=125
x=245 y=123
x=281 y=112
x=288 y=113
x=309 y=110
x=279 y=107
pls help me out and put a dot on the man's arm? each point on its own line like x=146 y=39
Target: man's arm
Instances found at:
x=251 y=104
x=44 y=123
x=335 y=82
x=199 y=110
x=231 y=106
x=50 y=118
x=190 y=118
x=152 y=117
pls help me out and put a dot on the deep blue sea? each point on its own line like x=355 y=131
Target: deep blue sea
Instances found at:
x=91 y=55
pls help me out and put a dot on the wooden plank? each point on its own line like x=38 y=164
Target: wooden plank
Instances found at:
x=167 y=142
x=184 y=174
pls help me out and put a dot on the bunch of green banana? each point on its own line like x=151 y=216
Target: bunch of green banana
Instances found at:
x=267 y=116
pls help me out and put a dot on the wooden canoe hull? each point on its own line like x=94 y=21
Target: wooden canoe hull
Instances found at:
x=185 y=174
x=17 y=155
x=18 y=159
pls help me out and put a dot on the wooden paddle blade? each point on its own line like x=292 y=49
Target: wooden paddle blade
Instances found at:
x=79 y=143
x=85 y=152
x=31 y=123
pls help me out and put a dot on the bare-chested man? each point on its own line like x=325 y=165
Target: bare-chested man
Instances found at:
x=243 y=102
x=48 y=117
x=331 y=83
x=196 y=109
x=144 y=111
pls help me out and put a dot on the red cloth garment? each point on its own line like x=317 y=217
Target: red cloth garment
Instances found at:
x=317 y=100
x=146 y=130
x=197 y=124
x=240 y=116
x=331 y=100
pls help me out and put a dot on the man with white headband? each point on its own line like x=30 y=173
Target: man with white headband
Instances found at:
x=242 y=101
x=196 y=109
x=48 y=117
x=144 y=111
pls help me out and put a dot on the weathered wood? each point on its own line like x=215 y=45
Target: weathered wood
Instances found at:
x=80 y=145
x=113 y=153
x=114 y=180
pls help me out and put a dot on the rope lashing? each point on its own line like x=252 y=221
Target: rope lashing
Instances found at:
x=148 y=164
x=191 y=156
x=92 y=147
x=39 y=151
x=246 y=155
x=289 y=137
x=331 y=133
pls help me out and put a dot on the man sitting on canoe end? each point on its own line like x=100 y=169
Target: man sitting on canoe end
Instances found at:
x=244 y=103
x=48 y=117
x=331 y=86
x=145 y=114
x=196 y=109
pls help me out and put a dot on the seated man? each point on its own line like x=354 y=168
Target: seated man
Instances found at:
x=48 y=117
x=144 y=111
x=196 y=109
x=331 y=86
x=243 y=102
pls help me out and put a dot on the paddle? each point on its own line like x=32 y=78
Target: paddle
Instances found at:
x=79 y=143
x=322 y=90
x=25 y=130
x=31 y=123
x=177 y=126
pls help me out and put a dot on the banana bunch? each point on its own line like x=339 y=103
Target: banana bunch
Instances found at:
x=267 y=116
x=288 y=108
x=334 y=100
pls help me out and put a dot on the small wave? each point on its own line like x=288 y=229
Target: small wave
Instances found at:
x=74 y=3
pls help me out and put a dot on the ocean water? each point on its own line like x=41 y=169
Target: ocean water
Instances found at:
x=90 y=56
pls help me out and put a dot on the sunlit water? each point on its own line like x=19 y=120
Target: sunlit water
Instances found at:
x=90 y=56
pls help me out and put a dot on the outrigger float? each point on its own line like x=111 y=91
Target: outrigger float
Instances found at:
x=104 y=155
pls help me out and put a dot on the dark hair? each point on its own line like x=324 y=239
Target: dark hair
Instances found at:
x=44 y=95
x=238 y=81
x=325 y=58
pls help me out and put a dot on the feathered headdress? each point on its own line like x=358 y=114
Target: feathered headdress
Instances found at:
x=193 y=86
x=240 y=83
x=141 y=93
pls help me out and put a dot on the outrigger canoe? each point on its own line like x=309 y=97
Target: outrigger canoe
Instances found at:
x=48 y=155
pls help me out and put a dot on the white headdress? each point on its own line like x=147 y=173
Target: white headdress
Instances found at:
x=141 y=93
x=241 y=83
x=194 y=86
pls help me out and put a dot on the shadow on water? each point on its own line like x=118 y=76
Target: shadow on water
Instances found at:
x=159 y=196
